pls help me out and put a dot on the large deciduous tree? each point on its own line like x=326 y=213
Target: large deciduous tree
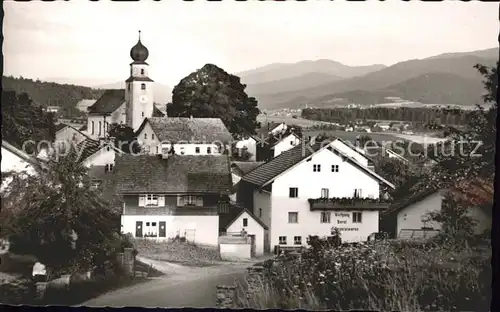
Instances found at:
x=212 y=92
x=125 y=138
x=55 y=216
x=466 y=163
x=25 y=120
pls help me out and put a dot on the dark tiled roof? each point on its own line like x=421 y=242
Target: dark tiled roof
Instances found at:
x=177 y=174
x=235 y=210
x=286 y=160
x=157 y=112
x=266 y=172
x=245 y=167
x=177 y=129
x=87 y=148
x=60 y=126
x=98 y=173
x=110 y=101
x=138 y=79
x=410 y=200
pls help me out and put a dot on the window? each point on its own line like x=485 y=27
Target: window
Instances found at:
x=294 y=192
x=209 y=150
x=324 y=193
x=108 y=168
x=143 y=86
x=356 y=217
x=260 y=212
x=245 y=222
x=223 y=208
x=282 y=240
x=316 y=168
x=152 y=136
x=182 y=151
x=157 y=150
x=291 y=142
x=335 y=168
x=142 y=114
x=293 y=217
x=92 y=127
x=325 y=217
x=297 y=240
x=357 y=193
x=191 y=200
x=100 y=125
x=197 y=150
x=142 y=71
x=145 y=136
x=151 y=200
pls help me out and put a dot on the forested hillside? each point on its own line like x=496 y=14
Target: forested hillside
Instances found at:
x=52 y=94
x=23 y=120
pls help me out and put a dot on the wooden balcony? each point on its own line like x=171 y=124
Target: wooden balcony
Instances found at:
x=348 y=204
x=172 y=210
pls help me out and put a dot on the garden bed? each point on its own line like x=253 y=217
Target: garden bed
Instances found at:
x=178 y=252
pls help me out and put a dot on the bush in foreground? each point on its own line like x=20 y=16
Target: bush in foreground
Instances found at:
x=379 y=276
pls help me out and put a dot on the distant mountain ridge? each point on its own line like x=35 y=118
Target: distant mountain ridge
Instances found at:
x=280 y=71
x=374 y=84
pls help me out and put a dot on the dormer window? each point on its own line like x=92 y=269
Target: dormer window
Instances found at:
x=108 y=168
x=143 y=86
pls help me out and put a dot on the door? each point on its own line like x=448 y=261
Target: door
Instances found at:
x=138 y=228
x=267 y=246
x=252 y=246
x=162 y=232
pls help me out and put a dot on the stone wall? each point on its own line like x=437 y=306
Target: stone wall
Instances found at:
x=126 y=260
x=255 y=280
x=226 y=297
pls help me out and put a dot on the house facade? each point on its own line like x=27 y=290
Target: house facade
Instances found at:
x=174 y=196
x=68 y=135
x=410 y=215
x=286 y=143
x=250 y=144
x=184 y=136
x=308 y=190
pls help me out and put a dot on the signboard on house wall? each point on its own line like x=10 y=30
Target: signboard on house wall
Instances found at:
x=344 y=222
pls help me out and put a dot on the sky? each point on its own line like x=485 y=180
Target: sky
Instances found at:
x=90 y=42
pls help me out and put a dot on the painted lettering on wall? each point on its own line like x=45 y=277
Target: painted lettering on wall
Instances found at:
x=341 y=221
x=348 y=229
x=342 y=215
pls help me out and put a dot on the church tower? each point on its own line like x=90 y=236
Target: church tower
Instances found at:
x=138 y=87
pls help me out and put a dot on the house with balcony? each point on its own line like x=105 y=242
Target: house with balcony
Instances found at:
x=168 y=196
x=184 y=135
x=312 y=188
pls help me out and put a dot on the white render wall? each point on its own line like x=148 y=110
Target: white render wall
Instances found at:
x=135 y=107
x=146 y=140
x=309 y=184
x=251 y=145
x=350 y=152
x=235 y=251
x=12 y=162
x=101 y=158
x=252 y=228
x=285 y=144
x=206 y=228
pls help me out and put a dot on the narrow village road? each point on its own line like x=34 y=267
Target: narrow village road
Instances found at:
x=186 y=287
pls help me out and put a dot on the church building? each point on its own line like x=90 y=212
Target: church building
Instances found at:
x=130 y=106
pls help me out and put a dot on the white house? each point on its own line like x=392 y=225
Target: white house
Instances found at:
x=93 y=153
x=408 y=218
x=286 y=143
x=166 y=197
x=69 y=135
x=250 y=143
x=130 y=106
x=310 y=189
x=239 y=218
x=188 y=136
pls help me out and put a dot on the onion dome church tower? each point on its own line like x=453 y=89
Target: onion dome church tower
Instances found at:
x=138 y=87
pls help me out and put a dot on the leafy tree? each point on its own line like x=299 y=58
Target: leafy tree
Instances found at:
x=212 y=92
x=467 y=161
x=24 y=120
x=55 y=216
x=125 y=138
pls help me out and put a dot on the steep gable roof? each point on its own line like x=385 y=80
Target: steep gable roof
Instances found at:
x=235 y=211
x=284 y=138
x=410 y=200
x=267 y=172
x=177 y=129
x=89 y=147
x=176 y=174
x=245 y=167
x=109 y=102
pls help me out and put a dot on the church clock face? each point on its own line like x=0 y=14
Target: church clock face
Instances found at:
x=143 y=99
